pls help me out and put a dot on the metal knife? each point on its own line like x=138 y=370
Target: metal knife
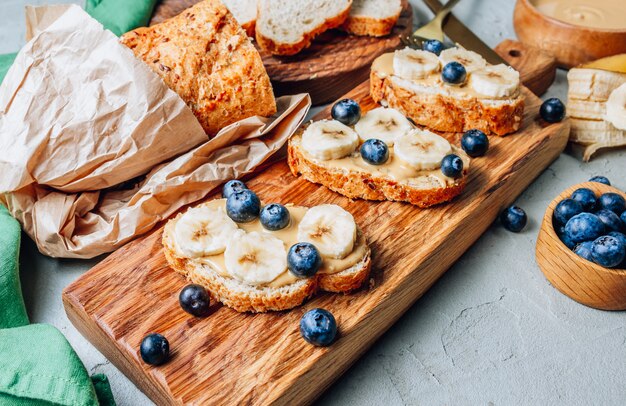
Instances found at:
x=459 y=33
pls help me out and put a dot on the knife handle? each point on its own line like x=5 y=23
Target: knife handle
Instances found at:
x=537 y=67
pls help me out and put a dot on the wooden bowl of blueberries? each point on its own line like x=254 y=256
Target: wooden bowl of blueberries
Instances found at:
x=581 y=248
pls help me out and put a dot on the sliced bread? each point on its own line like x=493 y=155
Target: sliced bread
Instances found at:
x=375 y=18
x=410 y=81
x=286 y=290
x=205 y=56
x=344 y=170
x=286 y=27
x=245 y=13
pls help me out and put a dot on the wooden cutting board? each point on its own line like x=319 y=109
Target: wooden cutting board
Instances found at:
x=233 y=358
x=334 y=64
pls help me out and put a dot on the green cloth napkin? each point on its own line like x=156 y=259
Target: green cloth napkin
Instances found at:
x=119 y=16
x=37 y=364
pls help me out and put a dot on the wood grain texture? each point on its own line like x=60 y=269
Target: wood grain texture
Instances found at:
x=335 y=62
x=234 y=358
x=581 y=280
x=571 y=44
x=537 y=67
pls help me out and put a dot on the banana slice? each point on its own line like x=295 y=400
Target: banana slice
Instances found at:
x=203 y=231
x=421 y=149
x=495 y=81
x=383 y=123
x=414 y=64
x=329 y=139
x=255 y=258
x=616 y=108
x=469 y=59
x=330 y=228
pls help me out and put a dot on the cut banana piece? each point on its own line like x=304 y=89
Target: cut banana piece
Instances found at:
x=595 y=135
x=255 y=258
x=586 y=109
x=616 y=108
x=495 y=81
x=414 y=64
x=469 y=59
x=383 y=123
x=330 y=228
x=203 y=231
x=421 y=149
x=329 y=139
x=592 y=84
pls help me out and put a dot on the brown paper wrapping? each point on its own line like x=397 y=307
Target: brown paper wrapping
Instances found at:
x=96 y=150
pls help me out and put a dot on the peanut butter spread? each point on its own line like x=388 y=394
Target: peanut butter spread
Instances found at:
x=289 y=236
x=394 y=169
x=383 y=67
x=603 y=14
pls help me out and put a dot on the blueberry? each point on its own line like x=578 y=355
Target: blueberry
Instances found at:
x=584 y=227
x=154 y=349
x=623 y=218
x=475 y=143
x=565 y=210
x=433 y=45
x=608 y=251
x=611 y=220
x=275 y=217
x=566 y=239
x=552 y=110
x=452 y=166
x=346 y=111
x=453 y=73
x=514 y=219
x=374 y=152
x=243 y=206
x=586 y=197
x=600 y=179
x=303 y=259
x=318 y=327
x=584 y=250
x=195 y=300
x=231 y=187
x=612 y=201
x=620 y=236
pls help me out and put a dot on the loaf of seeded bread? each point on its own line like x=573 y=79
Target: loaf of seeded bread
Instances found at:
x=286 y=27
x=248 y=298
x=205 y=56
x=363 y=185
x=373 y=17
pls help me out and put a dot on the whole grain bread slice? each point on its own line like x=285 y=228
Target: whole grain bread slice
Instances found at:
x=364 y=185
x=205 y=56
x=445 y=113
x=286 y=27
x=375 y=18
x=257 y=299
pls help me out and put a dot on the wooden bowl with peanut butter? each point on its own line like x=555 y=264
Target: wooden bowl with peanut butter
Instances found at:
x=574 y=31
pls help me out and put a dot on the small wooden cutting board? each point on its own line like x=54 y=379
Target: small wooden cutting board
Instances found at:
x=259 y=359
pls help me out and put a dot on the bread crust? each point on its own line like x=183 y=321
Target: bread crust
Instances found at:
x=362 y=185
x=447 y=114
x=279 y=48
x=205 y=56
x=246 y=298
x=373 y=27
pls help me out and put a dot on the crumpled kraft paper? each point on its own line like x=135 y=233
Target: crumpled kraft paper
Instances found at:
x=96 y=150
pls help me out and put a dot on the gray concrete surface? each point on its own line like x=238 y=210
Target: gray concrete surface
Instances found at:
x=492 y=331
